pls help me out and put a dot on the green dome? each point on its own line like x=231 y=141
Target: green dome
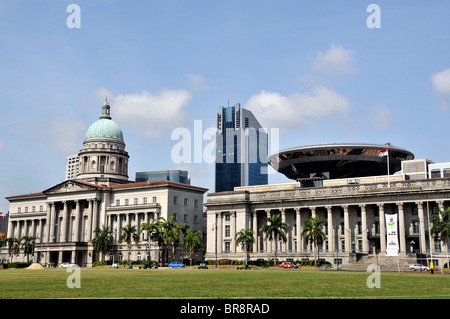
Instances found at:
x=104 y=128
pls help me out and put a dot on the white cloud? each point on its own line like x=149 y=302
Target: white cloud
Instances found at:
x=65 y=135
x=336 y=60
x=441 y=84
x=151 y=113
x=275 y=110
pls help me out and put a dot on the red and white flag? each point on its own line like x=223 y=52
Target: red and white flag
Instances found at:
x=383 y=152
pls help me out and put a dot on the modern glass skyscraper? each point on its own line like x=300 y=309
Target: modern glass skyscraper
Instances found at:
x=241 y=149
x=168 y=175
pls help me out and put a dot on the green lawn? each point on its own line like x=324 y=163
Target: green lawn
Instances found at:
x=218 y=283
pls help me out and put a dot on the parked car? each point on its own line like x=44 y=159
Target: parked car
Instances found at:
x=286 y=264
x=67 y=265
x=176 y=264
x=202 y=266
x=419 y=267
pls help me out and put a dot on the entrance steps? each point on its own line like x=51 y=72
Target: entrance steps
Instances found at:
x=386 y=263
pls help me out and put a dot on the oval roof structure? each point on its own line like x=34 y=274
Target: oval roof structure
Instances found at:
x=340 y=160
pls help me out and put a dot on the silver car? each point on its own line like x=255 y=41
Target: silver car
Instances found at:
x=419 y=267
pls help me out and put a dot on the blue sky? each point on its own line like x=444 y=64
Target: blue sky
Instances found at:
x=312 y=69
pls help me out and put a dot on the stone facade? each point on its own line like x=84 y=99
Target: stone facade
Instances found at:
x=354 y=215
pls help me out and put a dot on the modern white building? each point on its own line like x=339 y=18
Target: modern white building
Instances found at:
x=65 y=216
x=71 y=166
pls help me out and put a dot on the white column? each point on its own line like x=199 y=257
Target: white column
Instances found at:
x=233 y=232
x=422 y=238
x=401 y=225
x=52 y=223
x=283 y=220
x=77 y=221
x=48 y=222
x=330 y=229
x=255 y=231
x=365 y=240
x=347 y=230
x=89 y=228
x=299 y=230
x=64 y=223
x=382 y=229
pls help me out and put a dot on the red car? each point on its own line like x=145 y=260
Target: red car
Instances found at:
x=286 y=264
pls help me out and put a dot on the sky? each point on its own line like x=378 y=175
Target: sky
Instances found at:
x=310 y=71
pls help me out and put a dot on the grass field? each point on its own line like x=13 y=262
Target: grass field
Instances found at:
x=218 y=283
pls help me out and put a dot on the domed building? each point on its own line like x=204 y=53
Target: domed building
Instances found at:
x=64 y=217
x=103 y=159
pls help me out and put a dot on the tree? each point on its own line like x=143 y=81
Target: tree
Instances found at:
x=129 y=234
x=275 y=229
x=27 y=244
x=152 y=228
x=13 y=247
x=192 y=242
x=441 y=228
x=103 y=240
x=173 y=236
x=246 y=238
x=312 y=231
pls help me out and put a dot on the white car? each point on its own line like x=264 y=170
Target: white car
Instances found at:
x=67 y=265
x=419 y=267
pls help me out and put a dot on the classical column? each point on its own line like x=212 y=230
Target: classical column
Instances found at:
x=422 y=238
x=52 y=223
x=220 y=233
x=365 y=247
x=48 y=222
x=299 y=230
x=401 y=225
x=283 y=220
x=89 y=229
x=233 y=232
x=94 y=216
x=77 y=221
x=382 y=224
x=330 y=229
x=64 y=223
x=255 y=231
x=347 y=230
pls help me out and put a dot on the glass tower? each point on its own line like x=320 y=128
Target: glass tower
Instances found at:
x=241 y=149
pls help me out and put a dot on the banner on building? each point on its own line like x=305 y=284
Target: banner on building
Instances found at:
x=392 y=236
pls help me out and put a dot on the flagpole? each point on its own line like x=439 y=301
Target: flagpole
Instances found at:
x=389 y=183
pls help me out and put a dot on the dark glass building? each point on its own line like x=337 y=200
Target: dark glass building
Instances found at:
x=169 y=175
x=241 y=149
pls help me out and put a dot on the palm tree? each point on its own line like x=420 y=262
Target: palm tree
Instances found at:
x=103 y=240
x=28 y=245
x=274 y=230
x=312 y=231
x=13 y=247
x=246 y=238
x=129 y=234
x=192 y=242
x=441 y=227
x=173 y=236
x=152 y=228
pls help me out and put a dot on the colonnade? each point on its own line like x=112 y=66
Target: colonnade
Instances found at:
x=358 y=227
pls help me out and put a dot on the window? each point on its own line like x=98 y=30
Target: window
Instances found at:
x=185 y=202
x=41 y=208
x=195 y=202
x=26 y=209
x=135 y=201
x=117 y=202
x=227 y=217
x=154 y=199
x=144 y=200
x=185 y=218
x=227 y=247
x=175 y=200
x=33 y=209
x=126 y=202
x=227 y=231
x=19 y=210
x=174 y=216
x=359 y=228
x=195 y=219
x=342 y=229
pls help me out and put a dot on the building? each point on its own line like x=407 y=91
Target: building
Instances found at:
x=64 y=217
x=355 y=209
x=241 y=149
x=169 y=175
x=3 y=223
x=71 y=166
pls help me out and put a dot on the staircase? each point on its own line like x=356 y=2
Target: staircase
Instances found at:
x=384 y=262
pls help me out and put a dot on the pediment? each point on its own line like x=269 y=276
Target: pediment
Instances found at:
x=69 y=187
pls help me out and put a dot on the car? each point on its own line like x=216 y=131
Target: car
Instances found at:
x=202 y=266
x=416 y=267
x=67 y=265
x=176 y=264
x=286 y=264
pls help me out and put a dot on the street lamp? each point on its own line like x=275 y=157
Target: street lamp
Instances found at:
x=214 y=227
